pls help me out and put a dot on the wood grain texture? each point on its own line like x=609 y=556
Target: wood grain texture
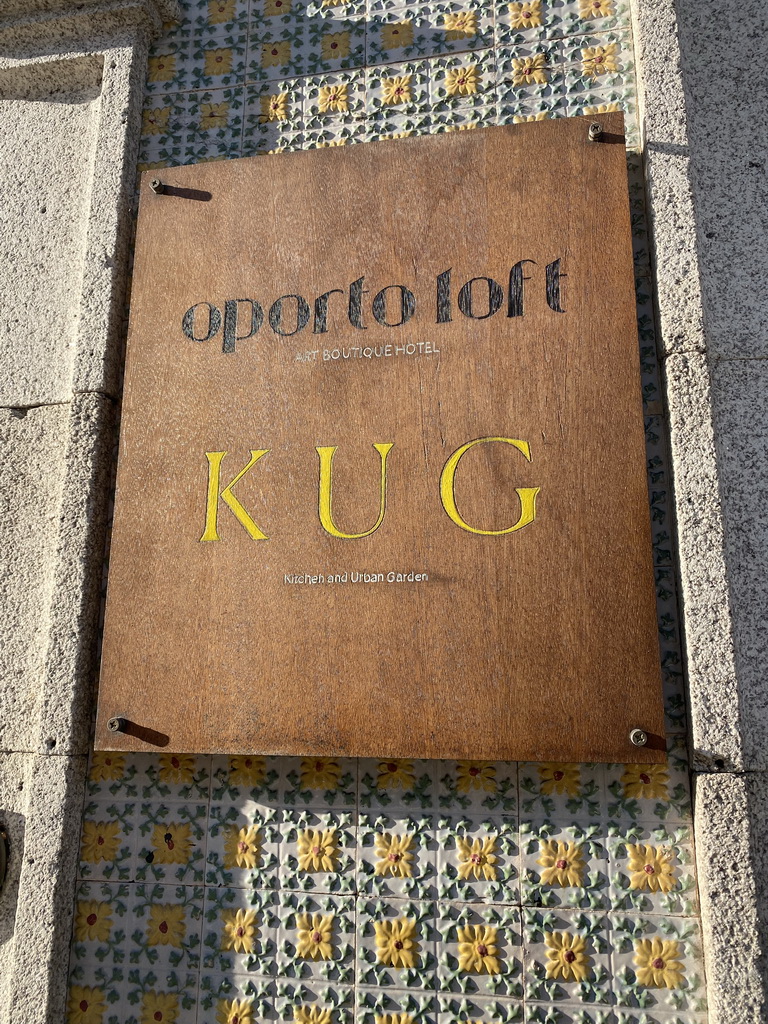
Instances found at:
x=539 y=644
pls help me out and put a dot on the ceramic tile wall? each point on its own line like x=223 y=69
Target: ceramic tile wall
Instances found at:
x=221 y=890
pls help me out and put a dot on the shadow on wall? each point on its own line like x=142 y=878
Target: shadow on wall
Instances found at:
x=76 y=80
x=14 y=826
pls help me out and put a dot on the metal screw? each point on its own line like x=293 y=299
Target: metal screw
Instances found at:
x=156 y=185
x=638 y=737
x=595 y=131
x=117 y=724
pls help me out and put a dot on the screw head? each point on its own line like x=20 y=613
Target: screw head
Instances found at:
x=116 y=724
x=638 y=737
x=156 y=185
x=595 y=131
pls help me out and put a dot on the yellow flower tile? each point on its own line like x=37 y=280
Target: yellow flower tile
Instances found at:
x=247 y=771
x=396 y=945
x=221 y=11
x=646 y=781
x=86 y=1005
x=395 y=774
x=218 y=61
x=161 y=68
x=242 y=847
x=335 y=46
x=235 y=1011
x=166 y=925
x=333 y=99
x=159 y=1006
x=525 y=15
x=171 y=843
x=276 y=53
x=563 y=863
x=311 y=1015
x=93 y=921
x=559 y=778
x=529 y=70
x=177 y=769
x=595 y=8
x=478 y=952
x=599 y=60
x=462 y=81
x=314 y=936
x=650 y=868
x=460 y=25
x=394 y=855
x=239 y=931
x=274 y=107
x=100 y=841
x=397 y=35
x=477 y=858
x=567 y=957
x=320 y=772
x=475 y=775
x=318 y=850
x=396 y=90
x=659 y=963
x=106 y=765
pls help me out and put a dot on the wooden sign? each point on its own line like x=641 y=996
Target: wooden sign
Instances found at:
x=381 y=485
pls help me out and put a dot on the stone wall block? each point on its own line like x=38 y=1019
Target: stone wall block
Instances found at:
x=731 y=825
x=739 y=389
x=13 y=796
x=31 y=28
x=46 y=868
x=71 y=79
x=664 y=125
x=707 y=612
x=99 y=353
x=49 y=129
x=32 y=471
x=67 y=684
x=726 y=98
x=71 y=88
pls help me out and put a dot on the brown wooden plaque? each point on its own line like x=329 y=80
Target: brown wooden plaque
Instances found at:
x=381 y=486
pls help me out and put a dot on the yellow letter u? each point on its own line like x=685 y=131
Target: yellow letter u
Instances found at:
x=326 y=483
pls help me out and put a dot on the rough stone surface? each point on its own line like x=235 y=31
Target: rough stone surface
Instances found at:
x=98 y=358
x=706 y=167
x=71 y=87
x=707 y=613
x=13 y=796
x=32 y=469
x=41 y=27
x=726 y=98
x=168 y=9
x=61 y=324
x=53 y=477
x=46 y=203
x=664 y=125
x=46 y=834
x=707 y=189
x=739 y=390
x=66 y=698
x=731 y=827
